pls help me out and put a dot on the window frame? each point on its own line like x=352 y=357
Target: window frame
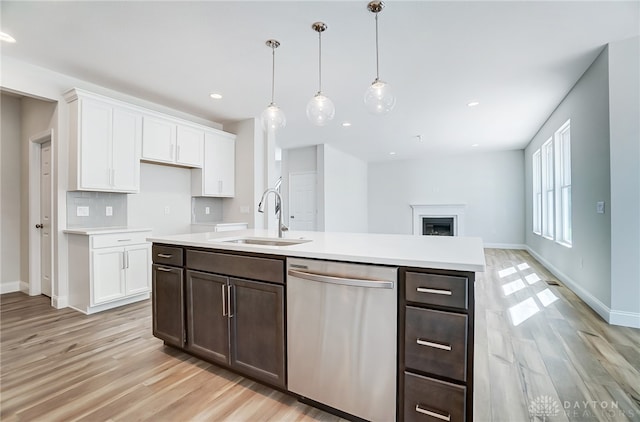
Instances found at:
x=562 y=158
x=536 y=169
x=548 y=189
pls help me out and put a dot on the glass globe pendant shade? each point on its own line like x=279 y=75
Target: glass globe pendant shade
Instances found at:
x=320 y=110
x=273 y=118
x=379 y=98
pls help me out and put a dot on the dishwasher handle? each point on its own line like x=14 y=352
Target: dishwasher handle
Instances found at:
x=356 y=282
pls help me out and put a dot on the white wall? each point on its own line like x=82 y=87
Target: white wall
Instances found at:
x=585 y=267
x=489 y=184
x=250 y=174
x=10 y=211
x=160 y=187
x=343 y=191
x=624 y=130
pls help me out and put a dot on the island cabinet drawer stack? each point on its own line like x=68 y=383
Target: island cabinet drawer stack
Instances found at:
x=168 y=294
x=436 y=346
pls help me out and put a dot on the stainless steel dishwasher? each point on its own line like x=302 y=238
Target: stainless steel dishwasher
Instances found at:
x=342 y=334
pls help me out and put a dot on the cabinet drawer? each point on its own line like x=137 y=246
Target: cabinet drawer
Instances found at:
x=436 y=342
x=167 y=255
x=119 y=239
x=427 y=399
x=263 y=269
x=437 y=289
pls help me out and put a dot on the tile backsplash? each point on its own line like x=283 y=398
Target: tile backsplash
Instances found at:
x=199 y=206
x=89 y=209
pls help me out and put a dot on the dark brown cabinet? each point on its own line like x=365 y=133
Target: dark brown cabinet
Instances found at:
x=228 y=309
x=237 y=322
x=436 y=346
x=168 y=304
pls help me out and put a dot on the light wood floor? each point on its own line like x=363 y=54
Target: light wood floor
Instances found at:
x=561 y=362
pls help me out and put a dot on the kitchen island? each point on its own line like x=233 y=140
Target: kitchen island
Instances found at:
x=249 y=301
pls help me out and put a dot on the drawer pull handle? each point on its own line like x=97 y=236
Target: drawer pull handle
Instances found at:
x=434 y=345
x=166 y=270
x=432 y=414
x=124 y=240
x=164 y=255
x=434 y=291
x=224 y=302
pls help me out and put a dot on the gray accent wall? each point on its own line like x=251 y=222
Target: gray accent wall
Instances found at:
x=602 y=265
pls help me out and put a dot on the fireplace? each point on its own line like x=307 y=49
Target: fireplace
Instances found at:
x=437 y=226
x=438 y=220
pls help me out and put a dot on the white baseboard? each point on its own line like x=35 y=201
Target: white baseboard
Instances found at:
x=24 y=287
x=10 y=286
x=625 y=319
x=60 y=302
x=505 y=246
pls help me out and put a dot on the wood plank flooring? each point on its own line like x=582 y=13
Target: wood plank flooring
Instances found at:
x=541 y=354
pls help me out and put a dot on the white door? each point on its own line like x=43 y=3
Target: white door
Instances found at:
x=302 y=201
x=138 y=265
x=95 y=145
x=190 y=147
x=45 y=219
x=158 y=139
x=108 y=267
x=220 y=166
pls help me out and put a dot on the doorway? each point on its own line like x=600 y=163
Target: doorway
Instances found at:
x=302 y=201
x=40 y=214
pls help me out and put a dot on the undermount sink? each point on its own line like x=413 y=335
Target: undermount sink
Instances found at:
x=265 y=241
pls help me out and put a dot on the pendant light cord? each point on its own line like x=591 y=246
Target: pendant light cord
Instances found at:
x=377 y=59
x=273 y=72
x=319 y=62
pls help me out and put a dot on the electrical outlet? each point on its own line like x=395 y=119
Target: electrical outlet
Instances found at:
x=600 y=207
x=82 y=211
x=108 y=211
x=167 y=210
x=207 y=210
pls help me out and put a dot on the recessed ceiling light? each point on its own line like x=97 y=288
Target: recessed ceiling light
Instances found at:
x=346 y=124
x=392 y=153
x=6 y=37
x=475 y=145
x=473 y=103
x=215 y=96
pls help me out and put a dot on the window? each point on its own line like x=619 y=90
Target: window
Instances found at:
x=548 y=194
x=537 y=193
x=563 y=184
x=551 y=178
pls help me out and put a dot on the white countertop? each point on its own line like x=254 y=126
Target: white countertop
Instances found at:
x=106 y=230
x=437 y=252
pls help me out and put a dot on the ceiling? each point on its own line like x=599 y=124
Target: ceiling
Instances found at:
x=518 y=59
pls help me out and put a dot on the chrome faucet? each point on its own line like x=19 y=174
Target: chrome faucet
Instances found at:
x=281 y=227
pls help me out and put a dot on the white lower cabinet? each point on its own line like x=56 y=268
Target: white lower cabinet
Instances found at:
x=107 y=270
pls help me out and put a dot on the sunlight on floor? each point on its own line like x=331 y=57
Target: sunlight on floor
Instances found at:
x=506 y=272
x=513 y=287
x=528 y=307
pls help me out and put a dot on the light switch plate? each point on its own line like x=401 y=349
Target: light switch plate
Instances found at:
x=82 y=211
x=600 y=207
x=108 y=211
x=167 y=210
x=207 y=210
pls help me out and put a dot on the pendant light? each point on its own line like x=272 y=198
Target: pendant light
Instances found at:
x=273 y=117
x=378 y=98
x=320 y=108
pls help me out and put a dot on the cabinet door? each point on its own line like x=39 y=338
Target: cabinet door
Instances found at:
x=257 y=327
x=207 y=321
x=127 y=135
x=107 y=275
x=219 y=169
x=95 y=145
x=190 y=148
x=168 y=304
x=137 y=263
x=158 y=139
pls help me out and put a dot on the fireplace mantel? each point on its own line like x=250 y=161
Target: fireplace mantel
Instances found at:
x=439 y=210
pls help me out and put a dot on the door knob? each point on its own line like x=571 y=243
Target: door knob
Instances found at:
x=39 y=226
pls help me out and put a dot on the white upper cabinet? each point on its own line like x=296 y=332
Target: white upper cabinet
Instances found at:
x=217 y=176
x=104 y=145
x=166 y=141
